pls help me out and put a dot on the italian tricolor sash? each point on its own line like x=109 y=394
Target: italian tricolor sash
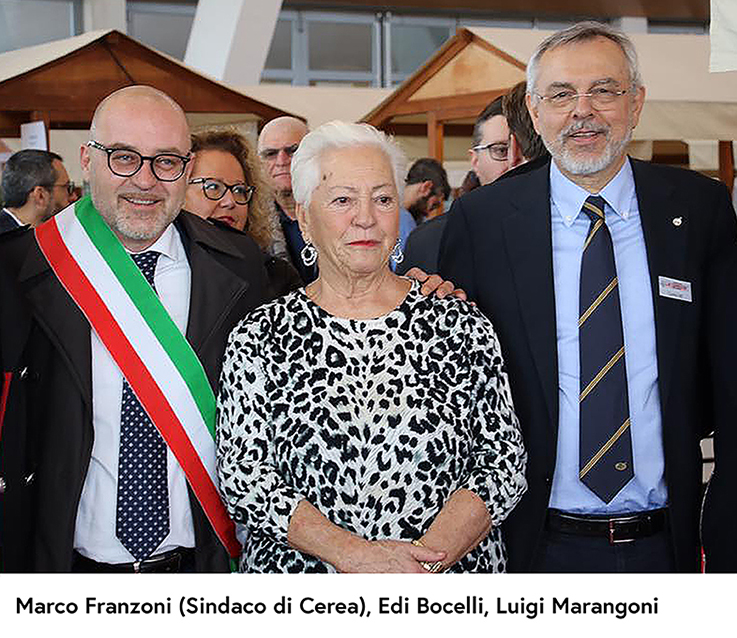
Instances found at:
x=147 y=346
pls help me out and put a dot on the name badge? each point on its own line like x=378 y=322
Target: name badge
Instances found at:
x=675 y=288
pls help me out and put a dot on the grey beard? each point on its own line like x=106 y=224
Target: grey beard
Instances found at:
x=591 y=165
x=588 y=165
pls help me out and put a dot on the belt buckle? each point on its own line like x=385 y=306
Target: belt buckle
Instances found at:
x=165 y=563
x=612 y=530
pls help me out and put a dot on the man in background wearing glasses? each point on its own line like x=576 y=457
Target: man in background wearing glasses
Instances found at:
x=489 y=161
x=103 y=490
x=35 y=186
x=597 y=271
x=490 y=143
x=278 y=141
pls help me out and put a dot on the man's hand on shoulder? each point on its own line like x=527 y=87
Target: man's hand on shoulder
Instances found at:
x=436 y=284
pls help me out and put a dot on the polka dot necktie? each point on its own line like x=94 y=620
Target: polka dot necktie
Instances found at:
x=605 y=450
x=142 y=513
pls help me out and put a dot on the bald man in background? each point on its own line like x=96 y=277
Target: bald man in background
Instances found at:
x=278 y=141
x=70 y=411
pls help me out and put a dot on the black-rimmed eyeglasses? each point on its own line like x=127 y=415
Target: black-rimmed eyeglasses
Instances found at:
x=497 y=150
x=125 y=162
x=215 y=189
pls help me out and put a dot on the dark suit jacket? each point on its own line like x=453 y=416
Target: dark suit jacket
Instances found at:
x=423 y=244
x=46 y=344
x=16 y=476
x=497 y=246
x=283 y=277
x=719 y=520
x=7 y=222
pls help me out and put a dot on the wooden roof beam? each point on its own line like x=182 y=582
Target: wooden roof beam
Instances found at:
x=408 y=129
x=452 y=107
x=435 y=137
x=726 y=163
x=10 y=122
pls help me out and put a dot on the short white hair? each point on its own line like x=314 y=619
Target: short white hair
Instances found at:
x=339 y=135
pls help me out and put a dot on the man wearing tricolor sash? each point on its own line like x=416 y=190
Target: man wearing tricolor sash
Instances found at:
x=122 y=305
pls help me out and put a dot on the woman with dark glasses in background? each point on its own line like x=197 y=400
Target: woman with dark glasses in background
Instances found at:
x=226 y=187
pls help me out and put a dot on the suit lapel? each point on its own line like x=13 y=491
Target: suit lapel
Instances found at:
x=209 y=304
x=666 y=244
x=527 y=237
x=59 y=317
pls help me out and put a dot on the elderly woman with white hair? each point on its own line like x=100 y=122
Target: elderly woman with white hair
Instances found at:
x=364 y=427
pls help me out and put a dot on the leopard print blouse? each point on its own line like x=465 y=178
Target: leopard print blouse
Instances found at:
x=375 y=422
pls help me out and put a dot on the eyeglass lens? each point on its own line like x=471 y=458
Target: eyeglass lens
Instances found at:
x=600 y=98
x=271 y=153
x=68 y=187
x=498 y=151
x=215 y=189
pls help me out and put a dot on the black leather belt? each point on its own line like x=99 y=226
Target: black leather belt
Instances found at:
x=176 y=560
x=622 y=528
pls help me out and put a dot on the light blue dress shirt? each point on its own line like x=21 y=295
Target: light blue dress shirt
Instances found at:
x=407 y=224
x=570 y=226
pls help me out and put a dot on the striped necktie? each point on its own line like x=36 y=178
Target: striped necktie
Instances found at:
x=142 y=512
x=605 y=449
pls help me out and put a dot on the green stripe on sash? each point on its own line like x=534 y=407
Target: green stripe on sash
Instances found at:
x=149 y=305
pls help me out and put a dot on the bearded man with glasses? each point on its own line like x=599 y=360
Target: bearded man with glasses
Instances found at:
x=113 y=323
x=598 y=272
x=35 y=186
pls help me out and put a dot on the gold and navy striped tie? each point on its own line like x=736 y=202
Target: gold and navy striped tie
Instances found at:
x=605 y=450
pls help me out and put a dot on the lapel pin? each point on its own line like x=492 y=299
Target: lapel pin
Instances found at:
x=677 y=221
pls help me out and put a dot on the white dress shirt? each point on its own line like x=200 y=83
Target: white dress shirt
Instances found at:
x=94 y=535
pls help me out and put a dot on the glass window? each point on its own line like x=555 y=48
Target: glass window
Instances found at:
x=338 y=82
x=163 y=27
x=412 y=45
x=657 y=26
x=340 y=46
x=24 y=23
x=265 y=79
x=280 y=53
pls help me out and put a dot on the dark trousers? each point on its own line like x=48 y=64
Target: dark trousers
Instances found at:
x=574 y=553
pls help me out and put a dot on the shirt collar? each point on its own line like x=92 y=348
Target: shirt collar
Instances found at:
x=568 y=197
x=18 y=221
x=168 y=244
